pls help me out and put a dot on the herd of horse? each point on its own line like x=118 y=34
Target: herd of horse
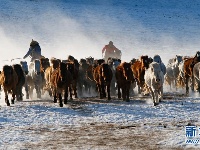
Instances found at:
x=64 y=79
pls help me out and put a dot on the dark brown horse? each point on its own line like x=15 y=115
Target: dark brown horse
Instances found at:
x=83 y=84
x=9 y=79
x=21 y=81
x=103 y=76
x=124 y=77
x=71 y=67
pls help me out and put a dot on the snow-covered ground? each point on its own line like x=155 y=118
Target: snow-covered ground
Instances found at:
x=82 y=28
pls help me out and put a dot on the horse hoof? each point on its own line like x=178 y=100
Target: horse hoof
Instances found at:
x=61 y=105
x=65 y=102
x=12 y=101
x=155 y=104
x=8 y=104
x=109 y=98
x=128 y=100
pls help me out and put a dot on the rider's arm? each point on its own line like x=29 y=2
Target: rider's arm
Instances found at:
x=28 y=53
x=103 y=50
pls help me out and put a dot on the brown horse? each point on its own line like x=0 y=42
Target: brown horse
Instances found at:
x=48 y=72
x=21 y=81
x=9 y=79
x=71 y=67
x=138 y=68
x=103 y=76
x=124 y=77
x=90 y=79
x=83 y=84
x=188 y=70
x=44 y=64
x=60 y=80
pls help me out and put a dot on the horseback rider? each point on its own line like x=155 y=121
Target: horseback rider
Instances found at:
x=34 y=51
x=110 y=51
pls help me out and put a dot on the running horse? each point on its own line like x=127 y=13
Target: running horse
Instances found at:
x=124 y=78
x=21 y=80
x=61 y=79
x=35 y=73
x=188 y=70
x=9 y=79
x=138 y=68
x=103 y=76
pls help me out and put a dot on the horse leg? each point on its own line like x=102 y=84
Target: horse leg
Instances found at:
x=156 y=98
x=26 y=90
x=152 y=95
x=75 y=91
x=186 y=83
x=192 y=84
x=124 y=93
x=17 y=93
x=119 y=92
x=80 y=88
x=103 y=90
x=161 y=94
x=60 y=99
x=139 y=90
x=38 y=91
x=70 y=92
x=108 y=91
x=66 y=96
x=127 y=92
x=13 y=95
x=99 y=90
x=20 y=96
x=31 y=91
x=6 y=98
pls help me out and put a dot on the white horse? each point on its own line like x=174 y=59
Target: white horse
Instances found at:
x=154 y=79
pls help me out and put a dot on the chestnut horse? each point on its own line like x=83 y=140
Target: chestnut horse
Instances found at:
x=138 y=68
x=188 y=70
x=9 y=79
x=60 y=81
x=103 y=76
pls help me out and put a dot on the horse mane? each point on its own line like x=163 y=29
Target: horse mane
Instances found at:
x=18 y=69
x=7 y=67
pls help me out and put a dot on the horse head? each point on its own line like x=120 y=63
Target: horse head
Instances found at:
x=106 y=72
x=7 y=74
x=127 y=72
x=156 y=71
x=63 y=68
x=90 y=60
x=44 y=63
x=145 y=61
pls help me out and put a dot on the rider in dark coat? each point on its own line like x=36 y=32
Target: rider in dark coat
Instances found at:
x=34 y=51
